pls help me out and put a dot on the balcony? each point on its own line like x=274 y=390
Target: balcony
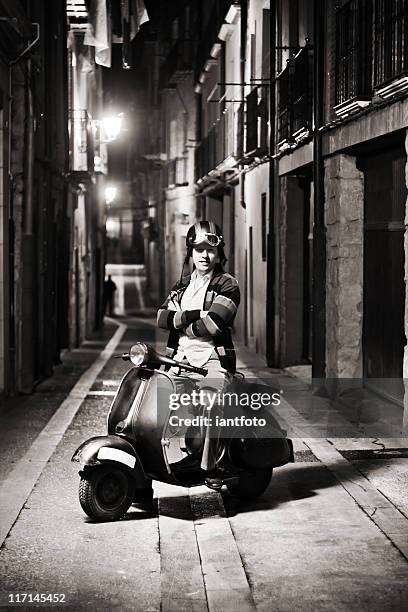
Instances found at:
x=295 y=114
x=81 y=145
x=174 y=173
x=256 y=124
x=218 y=151
x=178 y=65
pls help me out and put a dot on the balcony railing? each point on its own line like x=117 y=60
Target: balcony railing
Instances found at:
x=178 y=64
x=81 y=146
x=175 y=173
x=295 y=97
x=302 y=91
x=220 y=144
x=285 y=108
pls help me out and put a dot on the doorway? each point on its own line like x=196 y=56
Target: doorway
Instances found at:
x=385 y=195
x=298 y=272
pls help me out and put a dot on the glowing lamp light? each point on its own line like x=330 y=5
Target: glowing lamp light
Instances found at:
x=111 y=127
x=110 y=194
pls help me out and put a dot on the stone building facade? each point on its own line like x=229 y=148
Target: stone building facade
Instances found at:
x=33 y=163
x=86 y=182
x=300 y=113
x=52 y=205
x=363 y=135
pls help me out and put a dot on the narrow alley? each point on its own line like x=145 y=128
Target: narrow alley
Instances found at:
x=204 y=198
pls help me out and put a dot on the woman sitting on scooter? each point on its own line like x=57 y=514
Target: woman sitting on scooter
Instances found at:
x=199 y=312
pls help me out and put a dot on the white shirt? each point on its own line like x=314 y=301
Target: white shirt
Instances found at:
x=197 y=350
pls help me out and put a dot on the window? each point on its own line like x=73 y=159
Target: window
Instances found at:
x=353 y=52
x=294 y=23
x=295 y=97
x=390 y=52
x=371 y=46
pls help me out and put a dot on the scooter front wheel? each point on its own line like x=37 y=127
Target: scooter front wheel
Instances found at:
x=105 y=493
x=250 y=485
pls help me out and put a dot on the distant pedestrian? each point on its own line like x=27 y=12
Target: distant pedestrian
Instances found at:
x=109 y=288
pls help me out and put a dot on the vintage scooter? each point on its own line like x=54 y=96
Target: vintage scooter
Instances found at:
x=144 y=442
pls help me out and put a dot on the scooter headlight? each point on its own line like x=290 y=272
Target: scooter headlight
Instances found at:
x=139 y=354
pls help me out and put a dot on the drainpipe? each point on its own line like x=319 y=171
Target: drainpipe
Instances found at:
x=319 y=229
x=242 y=59
x=271 y=278
x=12 y=316
x=29 y=158
x=242 y=55
x=12 y=305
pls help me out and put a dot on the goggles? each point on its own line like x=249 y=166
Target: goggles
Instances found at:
x=201 y=237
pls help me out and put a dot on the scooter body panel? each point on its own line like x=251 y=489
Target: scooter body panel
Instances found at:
x=115 y=450
x=141 y=441
x=124 y=398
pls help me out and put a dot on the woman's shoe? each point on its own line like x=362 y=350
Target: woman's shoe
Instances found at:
x=214 y=481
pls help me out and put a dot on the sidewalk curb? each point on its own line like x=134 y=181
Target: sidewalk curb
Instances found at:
x=18 y=485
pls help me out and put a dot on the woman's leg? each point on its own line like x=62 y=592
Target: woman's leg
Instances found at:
x=214 y=381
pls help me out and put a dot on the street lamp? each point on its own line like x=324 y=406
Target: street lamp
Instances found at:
x=111 y=127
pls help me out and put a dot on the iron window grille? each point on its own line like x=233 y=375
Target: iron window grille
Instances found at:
x=285 y=107
x=353 y=50
x=390 y=45
x=371 y=46
x=221 y=142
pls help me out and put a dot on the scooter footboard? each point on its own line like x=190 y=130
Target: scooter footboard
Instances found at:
x=112 y=449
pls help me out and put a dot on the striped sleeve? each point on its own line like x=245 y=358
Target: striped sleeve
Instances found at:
x=167 y=311
x=221 y=312
x=169 y=315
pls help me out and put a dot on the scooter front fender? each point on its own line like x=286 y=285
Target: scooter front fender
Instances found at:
x=111 y=449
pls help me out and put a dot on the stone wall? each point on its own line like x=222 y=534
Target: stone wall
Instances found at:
x=405 y=366
x=344 y=216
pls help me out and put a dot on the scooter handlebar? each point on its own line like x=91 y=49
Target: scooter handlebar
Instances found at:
x=124 y=356
x=162 y=360
x=180 y=364
x=190 y=368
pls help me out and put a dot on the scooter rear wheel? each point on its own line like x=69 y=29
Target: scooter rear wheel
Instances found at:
x=250 y=485
x=105 y=493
